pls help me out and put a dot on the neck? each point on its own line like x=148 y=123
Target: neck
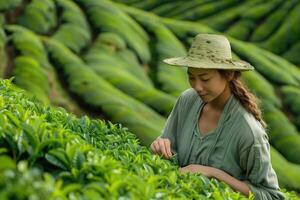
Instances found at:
x=220 y=102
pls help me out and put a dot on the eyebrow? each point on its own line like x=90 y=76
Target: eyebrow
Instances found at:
x=203 y=74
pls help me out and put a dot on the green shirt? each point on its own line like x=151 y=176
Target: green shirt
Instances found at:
x=238 y=145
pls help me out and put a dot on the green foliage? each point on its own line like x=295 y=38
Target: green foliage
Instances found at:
x=75 y=32
x=72 y=13
x=270 y=69
x=262 y=10
x=241 y=29
x=291 y=96
x=28 y=43
x=173 y=80
x=169 y=8
x=285 y=65
x=39 y=16
x=174 y=8
x=292 y=54
x=24 y=183
x=170 y=79
x=272 y=22
x=29 y=70
x=2 y=37
x=147 y=4
x=223 y=19
x=2 y=19
x=100 y=94
x=105 y=16
x=261 y=87
x=202 y=11
x=185 y=29
x=283 y=134
x=3 y=57
x=107 y=64
x=72 y=36
x=123 y=58
x=112 y=39
x=280 y=41
x=7 y=5
x=288 y=173
x=30 y=76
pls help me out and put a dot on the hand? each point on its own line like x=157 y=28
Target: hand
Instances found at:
x=162 y=146
x=209 y=172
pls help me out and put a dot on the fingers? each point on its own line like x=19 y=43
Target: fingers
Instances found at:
x=156 y=147
x=162 y=146
x=168 y=147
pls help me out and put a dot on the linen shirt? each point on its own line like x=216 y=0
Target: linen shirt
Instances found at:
x=238 y=145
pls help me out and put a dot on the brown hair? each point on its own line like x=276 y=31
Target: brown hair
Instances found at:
x=242 y=93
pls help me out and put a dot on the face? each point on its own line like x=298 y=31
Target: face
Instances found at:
x=208 y=83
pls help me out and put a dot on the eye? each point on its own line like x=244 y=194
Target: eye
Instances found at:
x=205 y=80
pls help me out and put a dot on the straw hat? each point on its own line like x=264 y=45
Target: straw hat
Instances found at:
x=210 y=51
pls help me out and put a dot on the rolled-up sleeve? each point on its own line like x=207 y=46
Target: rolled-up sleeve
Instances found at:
x=260 y=176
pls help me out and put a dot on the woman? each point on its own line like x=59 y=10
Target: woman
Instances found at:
x=215 y=127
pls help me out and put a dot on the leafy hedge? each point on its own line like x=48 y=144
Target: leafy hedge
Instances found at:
x=107 y=63
x=74 y=30
x=39 y=16
x=3 y=56
x=97 y=92
x=270 y=24
x=6 y=5
x=291 y=96
x=106 y=17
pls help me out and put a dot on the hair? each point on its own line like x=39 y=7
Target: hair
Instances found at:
x=248 y=100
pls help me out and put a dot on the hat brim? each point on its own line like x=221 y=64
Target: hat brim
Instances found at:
x=239 y=65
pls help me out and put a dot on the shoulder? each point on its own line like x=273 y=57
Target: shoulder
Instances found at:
x=250 y=131
x=186 y=100
x=189 y=96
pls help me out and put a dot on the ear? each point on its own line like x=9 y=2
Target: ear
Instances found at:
x=230 y=76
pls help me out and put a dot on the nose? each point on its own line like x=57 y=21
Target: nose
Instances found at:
x=198 y=86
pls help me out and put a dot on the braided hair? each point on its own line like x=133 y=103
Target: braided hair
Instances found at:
x=248 y=100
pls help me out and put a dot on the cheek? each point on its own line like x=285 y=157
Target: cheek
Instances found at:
x=221 y=87
x=218 y=87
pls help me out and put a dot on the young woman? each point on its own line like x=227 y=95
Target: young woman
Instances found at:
x=215 y=127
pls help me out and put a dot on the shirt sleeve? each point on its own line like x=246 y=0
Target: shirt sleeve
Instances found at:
x=171 y=126
x=260 y=176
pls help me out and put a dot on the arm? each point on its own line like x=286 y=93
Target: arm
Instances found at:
x=165 y=144
x=260 y=176
x=212 y=172
x=234 y=183
x=171 y=126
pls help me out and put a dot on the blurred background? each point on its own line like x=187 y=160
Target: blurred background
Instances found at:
x=103 y=59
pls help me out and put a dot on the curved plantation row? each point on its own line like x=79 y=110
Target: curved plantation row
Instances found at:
x=24 y=52
x=88 y=49
x=262 y=22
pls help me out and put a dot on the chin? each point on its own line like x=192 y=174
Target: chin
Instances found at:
x=204 y=98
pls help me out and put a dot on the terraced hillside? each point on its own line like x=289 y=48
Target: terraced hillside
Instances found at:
x=104 y=59
x=271 y=24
